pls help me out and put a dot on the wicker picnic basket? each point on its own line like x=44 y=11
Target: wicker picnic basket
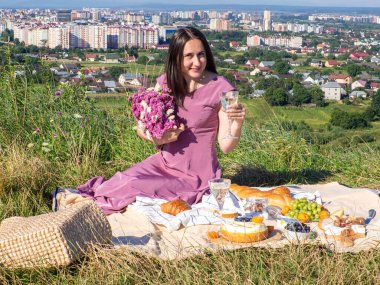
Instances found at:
x=53 y=239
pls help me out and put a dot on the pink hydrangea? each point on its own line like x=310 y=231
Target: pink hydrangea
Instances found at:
x=154 y=111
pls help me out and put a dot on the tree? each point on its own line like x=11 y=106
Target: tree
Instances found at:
x=281 y=67
x=373 y=111
x=347 y=120
x=276 y=96
x=142 y=59
x=240 y=59
x=317 y=96
x=353 y=69
x=115 y=71
x=300 y=95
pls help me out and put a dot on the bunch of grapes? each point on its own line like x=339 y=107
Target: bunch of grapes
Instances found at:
x=300 y=206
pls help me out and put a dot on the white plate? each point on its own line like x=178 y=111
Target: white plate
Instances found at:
x=295 y=236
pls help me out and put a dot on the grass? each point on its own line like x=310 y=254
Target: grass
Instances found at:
x=270 y=153
x=133 y=67
x=291 y=265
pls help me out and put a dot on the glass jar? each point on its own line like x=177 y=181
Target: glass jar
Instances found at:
x=256 y=205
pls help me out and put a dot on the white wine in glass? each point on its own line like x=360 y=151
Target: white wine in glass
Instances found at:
x=219 y=188
x=228 y=98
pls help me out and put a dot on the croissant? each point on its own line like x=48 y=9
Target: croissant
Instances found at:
x=279 y=197
x=175 y=207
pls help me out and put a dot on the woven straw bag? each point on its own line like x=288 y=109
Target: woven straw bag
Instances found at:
x=53 y=239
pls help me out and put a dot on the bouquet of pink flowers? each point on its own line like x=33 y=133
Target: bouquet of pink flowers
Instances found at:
x=154 y=111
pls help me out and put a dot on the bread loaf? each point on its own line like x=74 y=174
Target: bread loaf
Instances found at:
x=175 y=207
x=279 y=196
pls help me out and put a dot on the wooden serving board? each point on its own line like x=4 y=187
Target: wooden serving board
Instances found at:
x=274 y=235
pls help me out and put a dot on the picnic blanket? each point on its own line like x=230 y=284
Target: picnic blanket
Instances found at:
x=143 y=227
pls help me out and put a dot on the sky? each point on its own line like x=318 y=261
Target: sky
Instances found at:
x=126 y=3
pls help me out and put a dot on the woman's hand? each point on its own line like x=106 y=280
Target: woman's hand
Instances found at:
x=169 y=136
x=236 y=114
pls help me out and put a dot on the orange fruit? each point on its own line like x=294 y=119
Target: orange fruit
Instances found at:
x=285 y=210
x=212 y=235
x=323 y=214
x=303 y=217
x=257 y=220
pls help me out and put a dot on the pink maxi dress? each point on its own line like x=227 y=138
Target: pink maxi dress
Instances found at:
x=181 y=169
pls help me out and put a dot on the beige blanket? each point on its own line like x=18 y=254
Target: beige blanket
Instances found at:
x=133 y=230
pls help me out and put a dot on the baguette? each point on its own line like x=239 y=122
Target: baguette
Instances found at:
x=279 y=196
x=174 y=207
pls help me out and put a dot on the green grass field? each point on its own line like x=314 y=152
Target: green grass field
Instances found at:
x=48 y=141
x=260 y=111
x=132 y=67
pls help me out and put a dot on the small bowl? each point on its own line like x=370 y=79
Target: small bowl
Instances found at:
x=296 y=236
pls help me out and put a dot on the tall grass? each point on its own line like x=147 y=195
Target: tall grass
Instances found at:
x=293 y=264
x=47 y=140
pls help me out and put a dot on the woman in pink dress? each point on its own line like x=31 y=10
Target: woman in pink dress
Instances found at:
x=187 y=159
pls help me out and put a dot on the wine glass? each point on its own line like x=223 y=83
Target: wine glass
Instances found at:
x=228 y=98
x=219 y=188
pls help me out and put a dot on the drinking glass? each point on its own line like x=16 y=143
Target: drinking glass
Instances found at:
x=228 y=98
x=219 y=188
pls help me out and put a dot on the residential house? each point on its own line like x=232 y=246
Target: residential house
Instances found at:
x=126 y=78
x=234 y=44
x=358 y=84
x=91 y=56
x=236 y=74
x=252 y=62
x=375 y=86
x=321 y=46
x=110 y=85
x=260 y=70
x=267 y=76
x=161 y=47
x=229 y=61
x=129 y=59
x=359 y=56
x=266 y=64
x=242 y=48
x=318 y=80
x=69 y=67
x=375 y=59
x=50 y=57
x=294 y=63
x=257 y=93
x=332 y=63
x=341 y=78
x=342 y=51
x=358 y=94
x=333 y=90
x=111 y=58
x=316 y=63
x=307 y=50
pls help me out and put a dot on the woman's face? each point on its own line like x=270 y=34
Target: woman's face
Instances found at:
x=193 y=60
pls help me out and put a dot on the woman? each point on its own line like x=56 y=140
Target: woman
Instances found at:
x=187 y=159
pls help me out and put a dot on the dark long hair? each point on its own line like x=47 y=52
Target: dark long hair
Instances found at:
x=175 y=80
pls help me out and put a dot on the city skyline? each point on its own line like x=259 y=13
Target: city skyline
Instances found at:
x=122 y=3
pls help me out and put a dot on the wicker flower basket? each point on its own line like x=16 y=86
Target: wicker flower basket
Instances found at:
x=53 y=239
